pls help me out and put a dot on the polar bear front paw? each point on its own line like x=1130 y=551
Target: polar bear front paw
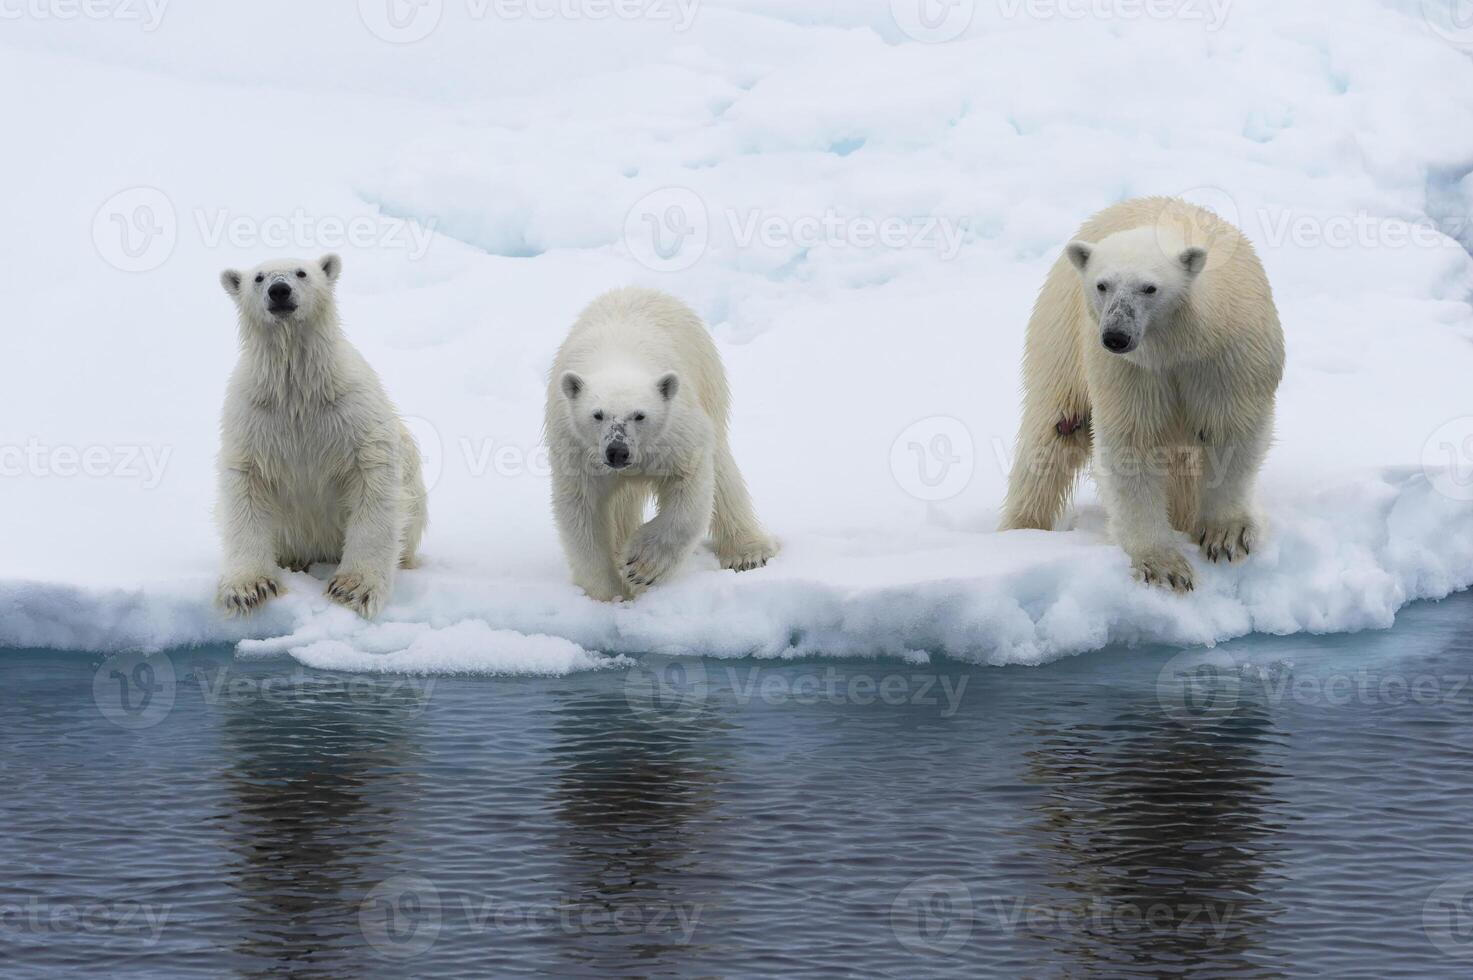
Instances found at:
x=1230 y=540
x=1168 y=568
x=646 y=560
x=747 y=555
x=362 y=593
x=244 y=593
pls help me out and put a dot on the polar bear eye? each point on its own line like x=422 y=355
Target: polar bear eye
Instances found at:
x=301 y=274
x=638 y=416
x=260 y=277
x=598 y=416
x=1149 y=290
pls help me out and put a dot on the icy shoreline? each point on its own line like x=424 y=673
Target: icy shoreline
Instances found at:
x=1324 y=569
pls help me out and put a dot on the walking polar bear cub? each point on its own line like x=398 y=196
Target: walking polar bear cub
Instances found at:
x=1155 y=342
x=637 y=405
x=315 y=464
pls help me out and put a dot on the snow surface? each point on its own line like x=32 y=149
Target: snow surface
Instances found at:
x=879 y=212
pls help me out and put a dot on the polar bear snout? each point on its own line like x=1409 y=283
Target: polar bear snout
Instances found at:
x=617 y=450
x=279 y=299
x=1121 y=327
x=617 y=455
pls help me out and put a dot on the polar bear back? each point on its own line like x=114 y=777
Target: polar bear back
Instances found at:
x=644 y=333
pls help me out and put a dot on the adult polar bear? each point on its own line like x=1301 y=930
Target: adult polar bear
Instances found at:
x=637 y=405
x=1155 y=340
x=315 y=464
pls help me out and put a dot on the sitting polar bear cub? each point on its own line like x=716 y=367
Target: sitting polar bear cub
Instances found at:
x=315 y=465
x=637 y=405
x=1155 y=342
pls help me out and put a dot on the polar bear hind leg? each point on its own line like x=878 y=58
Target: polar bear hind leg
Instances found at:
x=415 y=500
x=741 y=542
x=414 y=529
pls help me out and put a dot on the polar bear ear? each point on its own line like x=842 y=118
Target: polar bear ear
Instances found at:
x=1079 y=253
x=572 y=385
x=1194 y=260
x=331 y=265
x=231 y=280
x=668 y=385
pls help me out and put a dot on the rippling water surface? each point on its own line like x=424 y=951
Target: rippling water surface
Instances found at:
x=1279 y=807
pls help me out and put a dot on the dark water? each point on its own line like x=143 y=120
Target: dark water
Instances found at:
x=1282 y=807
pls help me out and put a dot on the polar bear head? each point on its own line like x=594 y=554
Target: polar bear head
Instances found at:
x=1134 y=279
x=285 y=291
x=620 y=416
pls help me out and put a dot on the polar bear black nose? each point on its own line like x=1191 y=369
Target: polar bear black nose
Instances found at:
x=1116 y=341
x=279 y=292
x=617 y=455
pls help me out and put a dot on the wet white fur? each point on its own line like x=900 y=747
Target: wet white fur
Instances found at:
x=620 y=354
x=315 y=464
x=1198 y=392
